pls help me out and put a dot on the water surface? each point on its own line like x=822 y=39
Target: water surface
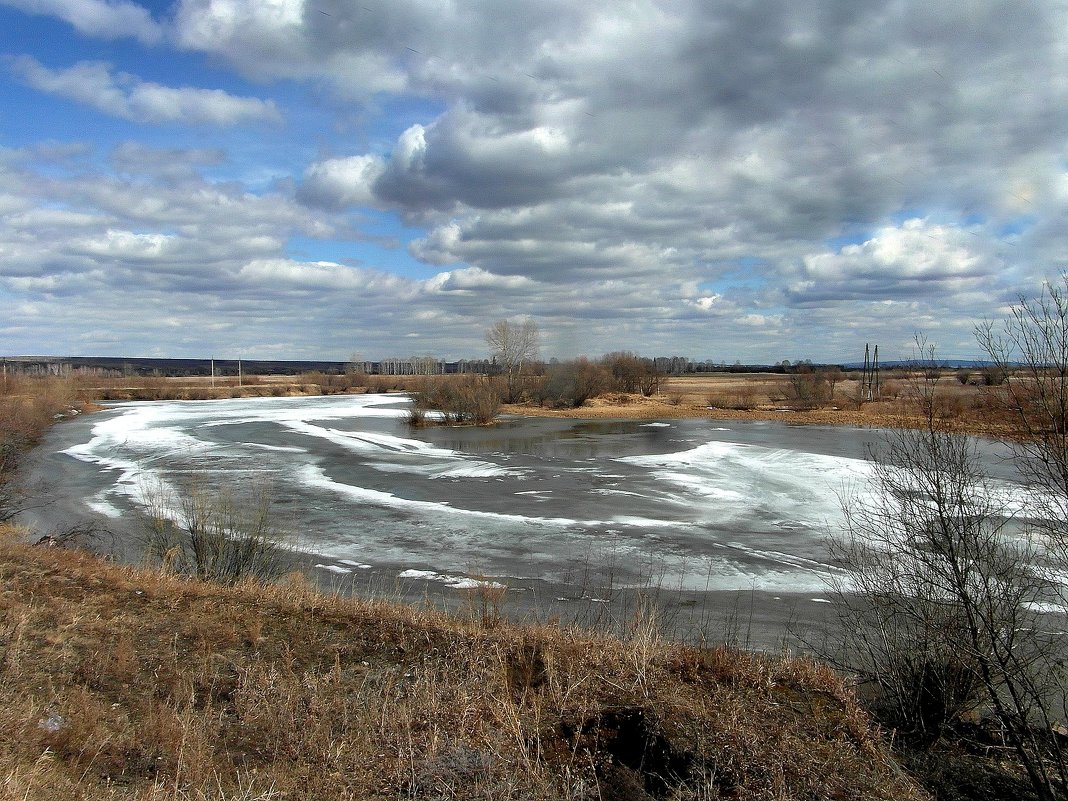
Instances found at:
x=563 y=509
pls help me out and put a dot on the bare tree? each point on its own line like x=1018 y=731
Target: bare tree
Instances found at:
x=831 y=376
x=943 y=597
x=807 y=387
x=425 y=365
x=513 y=347
x=1030 y=351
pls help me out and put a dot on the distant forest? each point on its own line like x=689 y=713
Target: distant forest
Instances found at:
x=116 y=366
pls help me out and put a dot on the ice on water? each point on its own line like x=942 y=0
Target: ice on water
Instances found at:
x=688 y=503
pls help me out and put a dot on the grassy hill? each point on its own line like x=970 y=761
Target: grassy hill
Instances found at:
x=123 y=683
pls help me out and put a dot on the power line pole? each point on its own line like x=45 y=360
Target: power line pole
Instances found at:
x=870 y=380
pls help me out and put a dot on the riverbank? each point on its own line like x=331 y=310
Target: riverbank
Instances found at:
x=636 y=407
x=967 y=408
x=122 y=683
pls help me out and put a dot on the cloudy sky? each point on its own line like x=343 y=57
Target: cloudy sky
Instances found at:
x=746 y=179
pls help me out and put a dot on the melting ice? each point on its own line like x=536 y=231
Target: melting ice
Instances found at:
x=696 y=505
x=688 y=503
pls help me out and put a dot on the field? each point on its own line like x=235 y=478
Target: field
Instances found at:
x=762 y=396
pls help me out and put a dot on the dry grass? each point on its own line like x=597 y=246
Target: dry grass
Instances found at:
x=722 y=396
x=730 y=396
x=250 y=386
x=120 y=683
x=27 y=407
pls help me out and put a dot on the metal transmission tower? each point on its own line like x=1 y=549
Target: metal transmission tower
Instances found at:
x=869 y=384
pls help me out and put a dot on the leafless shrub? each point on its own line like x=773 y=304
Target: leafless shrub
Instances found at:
x=994 y=376
x=570 y=384
x=743 y=398
x=217 y=536
x=941 y=601
x=808 y=388
x=469 y=399
x=633 y=373
x=889 y=390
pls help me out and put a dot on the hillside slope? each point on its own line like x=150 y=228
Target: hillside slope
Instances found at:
x=122 y=683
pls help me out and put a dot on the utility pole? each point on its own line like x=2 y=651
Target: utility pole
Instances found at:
x=875 y=369
x=870 y=381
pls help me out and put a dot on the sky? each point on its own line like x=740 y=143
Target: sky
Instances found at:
x=745 y=180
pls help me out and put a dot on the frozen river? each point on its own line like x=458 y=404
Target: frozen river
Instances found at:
x=560 y=510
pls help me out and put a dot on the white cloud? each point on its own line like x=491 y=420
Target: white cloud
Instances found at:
x=329 y=276
x=343 y=181
x=648 y=175
x=898 y=261
x=471 y=279
x=203 y=24
x=441 y=247
x=706 y=303
x=96 y=84
x=126 y=245
x=108 y=20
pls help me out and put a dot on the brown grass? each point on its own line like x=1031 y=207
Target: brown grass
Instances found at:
x=249 y=386
x=121 y=683
x=730 y=396
x=27 y=408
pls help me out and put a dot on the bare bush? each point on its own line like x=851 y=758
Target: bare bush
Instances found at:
x=1032 y=345
x=632 y=373
x=571 y=384
x=469 y=399
x=941 y=604
x=742 y=398
x=889 y=390
x=809 y=388
x=993 y=376
x=217 y=536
